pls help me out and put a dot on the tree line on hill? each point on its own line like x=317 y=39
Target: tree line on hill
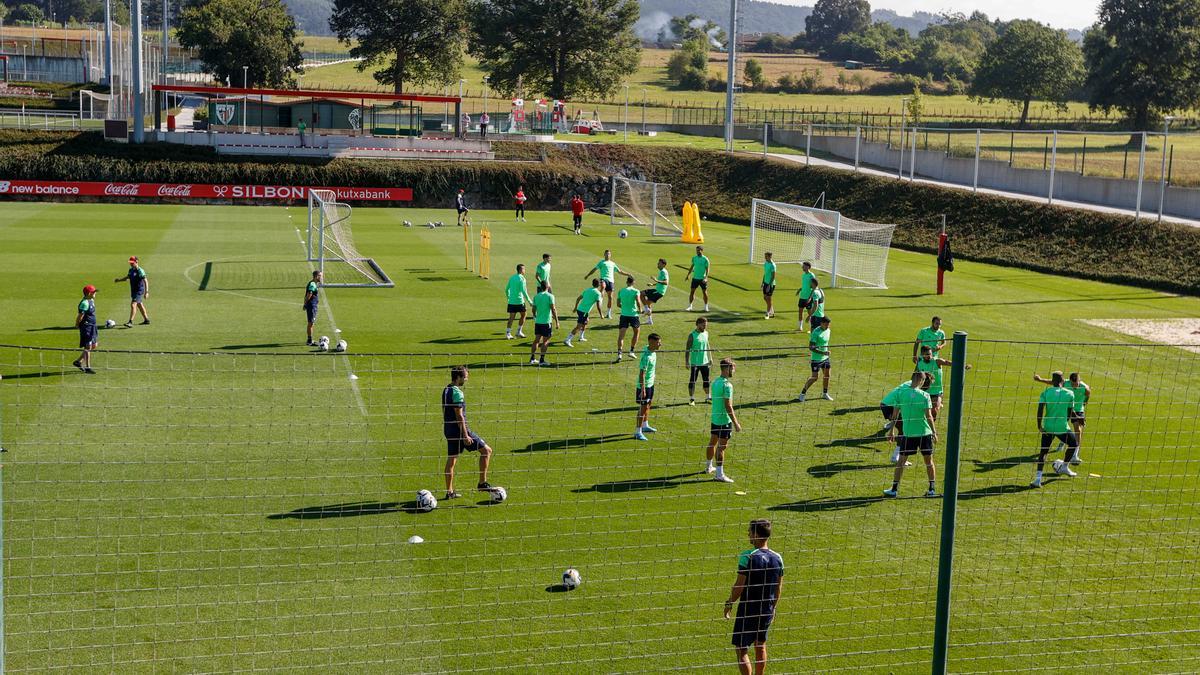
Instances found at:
x=68 y=13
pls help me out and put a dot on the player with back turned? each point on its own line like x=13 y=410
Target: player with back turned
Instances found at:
x=756 y=591
x=1053 y=415
x=459 y=437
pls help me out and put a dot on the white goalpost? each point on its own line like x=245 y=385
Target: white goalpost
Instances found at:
x=853 y=252
x=330 y=244
x=640 y=202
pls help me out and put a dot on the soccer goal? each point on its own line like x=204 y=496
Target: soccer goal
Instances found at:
x=639 y=202
x=853 y=252
x=331 y=245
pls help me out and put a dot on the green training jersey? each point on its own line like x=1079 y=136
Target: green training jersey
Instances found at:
x=628 y=297
x=646 y=365
x=722 y=390
x=700 y=266
x=518 y=292
x=769 y=273
x=930 y=338
x=893 y=395
x=542 y=273
x=819 y=340
x=607 y=269
x=698 y=352
x=542 y=302
x=818 y=300
x=1081 y=395
x=1058 y=401
x=806 y=286
x=913 y=403
x=588 y=299
x=660 y=284
x=931 y=366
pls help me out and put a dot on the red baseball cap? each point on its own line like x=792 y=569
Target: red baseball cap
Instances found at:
x=89 y=289
x=133 y=258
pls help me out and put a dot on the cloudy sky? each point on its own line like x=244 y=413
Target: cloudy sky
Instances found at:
x=1057 y=13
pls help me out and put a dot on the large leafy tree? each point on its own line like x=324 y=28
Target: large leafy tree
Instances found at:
x=1029 y=61
x=1143 y=58
x=562 y=48
x=831 y=18
x=409 y=41
x=692 y=26
x=229 y=34
x=952 y=47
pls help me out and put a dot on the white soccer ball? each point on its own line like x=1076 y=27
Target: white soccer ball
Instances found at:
x=430 y=224
x=439 y=223
x=408 y=223
x=571 y=579
x=323 y=343
x=110 y=324
x=622 y=234
x=426 y=501
x=499 y=494
x=341 y=346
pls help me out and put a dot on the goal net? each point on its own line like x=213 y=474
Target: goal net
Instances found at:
x=853 y=252
x=639 y=202
x=331 y=244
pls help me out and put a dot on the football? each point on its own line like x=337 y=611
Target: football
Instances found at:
x=430 y=224
x=570 y=579
x=408 y=223
x=110 y=323
x=323 y=343
x=499 y=494
x=341 y=346
x=622 y=234
x=426 y=501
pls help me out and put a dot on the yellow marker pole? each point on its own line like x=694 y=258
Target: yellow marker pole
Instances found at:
x=467 y=246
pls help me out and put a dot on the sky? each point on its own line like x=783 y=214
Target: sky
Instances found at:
x=1058 y=13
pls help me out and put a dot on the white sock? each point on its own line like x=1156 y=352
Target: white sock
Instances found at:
x=1039 y=475
x=708 y=464
x=720 y=470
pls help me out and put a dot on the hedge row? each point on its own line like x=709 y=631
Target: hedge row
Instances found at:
x=985 y=228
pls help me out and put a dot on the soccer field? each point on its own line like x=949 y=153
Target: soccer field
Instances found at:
x=219 y=497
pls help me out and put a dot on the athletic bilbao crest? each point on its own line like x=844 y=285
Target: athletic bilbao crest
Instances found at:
x=225 y=112
x=355 y=118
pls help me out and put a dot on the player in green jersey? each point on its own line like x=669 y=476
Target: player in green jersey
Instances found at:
x=1078 y=411
x=629 y=301
x=768 y=284
x=698 y=271
x=888 y=406
x=698 y=358
x=541 y=273
x=933 y=337
x=818 y=347
x=928 y=363
x=913 y=412
x=608 y=271
x=85 y=321
x=644 y=395
x=807 y=284
x=816 y=306
x=1053 y=414
x=583 y=309
x=657 y=291
x=544 y=312
x=518 y=297
x=724 y=422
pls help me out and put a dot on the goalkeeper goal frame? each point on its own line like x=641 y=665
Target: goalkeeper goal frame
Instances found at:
x=828 y=228
x=331 y=241
x=658 y=215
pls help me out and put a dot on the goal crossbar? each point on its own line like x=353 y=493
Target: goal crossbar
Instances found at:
x=640 y=202
x=330 y=240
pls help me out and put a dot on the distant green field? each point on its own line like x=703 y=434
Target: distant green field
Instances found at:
x=219 y=497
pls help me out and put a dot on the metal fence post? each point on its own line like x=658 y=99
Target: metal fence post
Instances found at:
x=808 y=147
x=1137 y=208
x=975 y=181
x=1053 y=162
x=857 y=144
x=941 y=622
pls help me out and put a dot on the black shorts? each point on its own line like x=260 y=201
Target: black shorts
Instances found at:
x=722 y=430
x=935 y=398
x=652 y=295
x=1076 y=417
x=606 y=285
x=629 y=322
x=88 y=336
x=516 y=309
x=805 y=302
x=311 y=312
x=768 y=289
x=542 y=330
x=910 y=445
x=140 y=297
x=814 y=322
x=701 y=371
x=699 y=283
x=639 y=398
x=818 y=366
x=752 y=623
x=463 y=210
x=581 y=318
x=577 y=220
x=887 y=411
x=456 y=446
x=1069 y=437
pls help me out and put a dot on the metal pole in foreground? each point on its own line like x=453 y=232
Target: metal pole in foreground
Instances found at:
x=765 y=140
x=903 y=110
x=1053 y=162
x=1137 y=209
x=975 y=181
x=731 y=48
x=108 y=43
x=808 y=146
x=626 y=115
x=857 y=145
x=941 y=621
x=139 y=88
x=1162 y=172
x=245 y=99
x=643 y=112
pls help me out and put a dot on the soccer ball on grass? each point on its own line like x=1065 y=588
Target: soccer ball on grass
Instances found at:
x=110 y=324
x=426 y=502
x=498 y=494
x=571 y=579
x=622 y=234
x=341 y=346
x=323 y=343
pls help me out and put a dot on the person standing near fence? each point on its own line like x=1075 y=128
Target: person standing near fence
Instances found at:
x=768 y=284
x=519 y=198
x=300 y=128
x=464 y=124
x=460 y=205
x=756 y=591
x=459 y=436
x=914 y=412
x=312 y=298
x=484 y=120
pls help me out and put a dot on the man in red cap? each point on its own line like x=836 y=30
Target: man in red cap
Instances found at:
x=85 y=321
x=139 y=290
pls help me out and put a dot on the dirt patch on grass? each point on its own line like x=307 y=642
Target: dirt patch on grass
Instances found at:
x=1183 y=333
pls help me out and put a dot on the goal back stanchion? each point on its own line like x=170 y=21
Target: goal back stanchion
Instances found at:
x=485 y=252
x=639 y=202
x=853 y=252
x=330 y=244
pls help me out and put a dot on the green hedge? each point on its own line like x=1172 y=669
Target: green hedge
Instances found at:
x=984 y=228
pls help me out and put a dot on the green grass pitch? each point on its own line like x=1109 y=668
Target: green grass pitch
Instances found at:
x=220 y=498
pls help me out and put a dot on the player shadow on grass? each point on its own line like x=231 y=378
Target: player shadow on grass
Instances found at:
x=1081 y=298
x=347 y=510
x=557 y=588
x=569 y=443
x=44 y=373
x=38 y=330
x=634 y=408
x=636 y=484
x=828 y=504
x=861 y=409
x=865 y=442
x=1000 y=490
x=983 y=466
x=834 y=468
x=456 y=340
x=265 y=345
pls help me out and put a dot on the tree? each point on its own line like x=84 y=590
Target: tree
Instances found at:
x=564 y=49
x=418 y=41
x=29 y=13
x=229 y=34
x=1029 y=61
x=831 y=18
x=688 y=67
x=772 y=43
x=1143 y=58
x=952 y=47
x=692 y=26
x=3 y=11
x=754 y=75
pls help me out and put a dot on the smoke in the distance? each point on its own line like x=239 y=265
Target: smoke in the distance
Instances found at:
x=648 y=27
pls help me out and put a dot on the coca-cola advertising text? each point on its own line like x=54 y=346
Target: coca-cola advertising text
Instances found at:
x=52 y=188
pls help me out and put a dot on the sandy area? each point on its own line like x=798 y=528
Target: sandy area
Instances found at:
x=1184 y=333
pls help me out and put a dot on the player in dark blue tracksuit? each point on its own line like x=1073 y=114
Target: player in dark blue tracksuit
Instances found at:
x=311 y=300
x=139 y=290
x=757 y=589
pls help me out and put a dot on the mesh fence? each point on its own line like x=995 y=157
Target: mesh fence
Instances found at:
x=853 y=251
